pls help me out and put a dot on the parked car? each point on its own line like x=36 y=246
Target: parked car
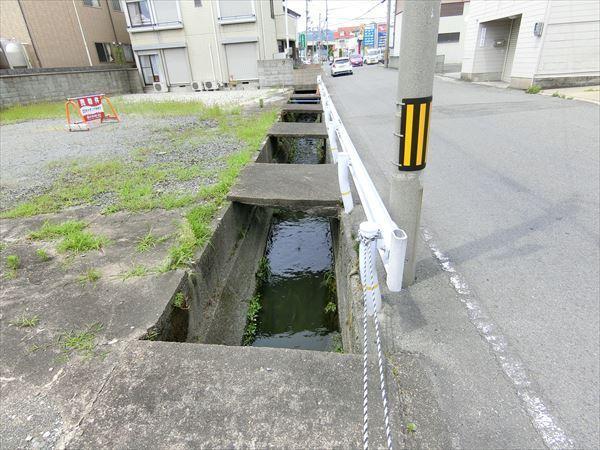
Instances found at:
x=356 y=60
x=373 y=56
x=340 y=66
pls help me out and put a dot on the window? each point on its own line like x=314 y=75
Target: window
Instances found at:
x=166 y=12
x=149 y=66
x=197 y=3
x=452 y=9
x=104 y=52
x=116 y=5
x=127 y=52
x=94 y=3
x=236 y=9
x=139 y=13
x=445 y=38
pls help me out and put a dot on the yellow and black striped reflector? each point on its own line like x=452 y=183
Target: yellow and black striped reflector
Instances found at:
x=414 y=129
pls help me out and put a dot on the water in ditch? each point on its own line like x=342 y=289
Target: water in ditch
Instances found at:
x=298 y=297
x=305 y=150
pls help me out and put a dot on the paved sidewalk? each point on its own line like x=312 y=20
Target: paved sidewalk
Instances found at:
x=585 y=93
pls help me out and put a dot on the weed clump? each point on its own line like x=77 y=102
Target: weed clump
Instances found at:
x=26 y=321
x=74 y=237
x=254 y=308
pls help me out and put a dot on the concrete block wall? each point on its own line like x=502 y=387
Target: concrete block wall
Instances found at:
x=275 y=73
x=307 y=75
x=52 y=86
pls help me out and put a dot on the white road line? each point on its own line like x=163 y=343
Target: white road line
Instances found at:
x=554 y=437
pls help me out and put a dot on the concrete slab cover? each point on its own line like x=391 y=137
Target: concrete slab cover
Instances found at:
x=292 y=186
x=298 y=130
x=185 y=395
x=302 y=108
x=305 y=97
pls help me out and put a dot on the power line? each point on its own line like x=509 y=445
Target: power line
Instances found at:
x=369 y=10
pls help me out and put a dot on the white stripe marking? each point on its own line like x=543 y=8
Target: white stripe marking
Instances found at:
x=512 y=366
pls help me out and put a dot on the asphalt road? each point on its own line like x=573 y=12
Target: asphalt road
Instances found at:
x=511 y=203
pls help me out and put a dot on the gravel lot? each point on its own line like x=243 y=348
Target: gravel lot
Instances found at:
x=34 y=153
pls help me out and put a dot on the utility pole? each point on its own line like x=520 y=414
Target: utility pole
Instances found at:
x=287 y=32
x=387 y=34
x=320 y=37
x=418 y=44
x=306 y=31
x=326 y=30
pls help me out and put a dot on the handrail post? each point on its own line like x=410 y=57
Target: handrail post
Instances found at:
x=344 y=179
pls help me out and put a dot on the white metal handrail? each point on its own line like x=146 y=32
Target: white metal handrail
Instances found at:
x=391 y=243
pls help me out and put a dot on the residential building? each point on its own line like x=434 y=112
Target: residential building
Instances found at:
x=548 y=43
x=196 y=44
x=67 y=33
x=451 y=34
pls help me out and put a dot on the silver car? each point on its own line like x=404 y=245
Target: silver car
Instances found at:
x=341 y=66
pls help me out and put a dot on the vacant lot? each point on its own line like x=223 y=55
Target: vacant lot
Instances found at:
x=96 y=231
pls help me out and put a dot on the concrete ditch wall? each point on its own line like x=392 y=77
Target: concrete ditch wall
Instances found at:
x=41 y=86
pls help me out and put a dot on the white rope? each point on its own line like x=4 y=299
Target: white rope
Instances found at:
x=365 y=379
x=367 y=264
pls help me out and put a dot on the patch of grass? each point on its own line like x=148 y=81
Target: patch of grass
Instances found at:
x=82 y=241
x=179 y=301
x=13 y=262
x=186 y=173
x=263 y=273
x=254 y=308
x=591 y=90
x=50 y=231
x=26 y=321
x=136 y=271
x=151 y=335
x=82 y=342
x=330 y=308
x=411 y=427
x=182 y=253
x=42 y=255
x=35 y=111
x=149 y=241
x=533 y=89
x=337 y=344
x=74 y=238
x=90 y=276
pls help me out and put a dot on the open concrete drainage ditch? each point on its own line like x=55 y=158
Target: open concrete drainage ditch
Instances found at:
x=270 y=277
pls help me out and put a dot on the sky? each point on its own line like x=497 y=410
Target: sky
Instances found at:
x=341 y=12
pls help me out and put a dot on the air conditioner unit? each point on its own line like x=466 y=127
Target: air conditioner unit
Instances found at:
x=211 y=85
x=196 y=86
x=160 y=87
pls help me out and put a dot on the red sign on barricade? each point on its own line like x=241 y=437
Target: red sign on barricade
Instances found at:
x=89 y=107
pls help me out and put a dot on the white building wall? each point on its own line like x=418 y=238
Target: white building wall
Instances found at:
x=571 y=39
x=528 y=45
x=452 y=51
